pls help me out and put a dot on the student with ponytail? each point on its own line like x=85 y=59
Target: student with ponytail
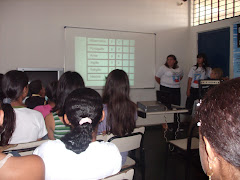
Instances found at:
x=12 y=168
x=78 y=155
x=8 y=119
x=9 y=122
x=29 y=125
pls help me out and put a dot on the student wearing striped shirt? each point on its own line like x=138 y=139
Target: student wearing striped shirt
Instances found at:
x=68 y=82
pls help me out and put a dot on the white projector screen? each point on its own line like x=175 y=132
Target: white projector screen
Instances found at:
x=94 y=53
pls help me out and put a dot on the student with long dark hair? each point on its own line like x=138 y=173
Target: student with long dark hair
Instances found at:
x=12 y=168
x=9 y=122
x=199 y=71
x=68 y=82
x=29 y=125
x=169 y=76
x=219 y=131
x=120 y=111
x=78 y=155
x=1 y=93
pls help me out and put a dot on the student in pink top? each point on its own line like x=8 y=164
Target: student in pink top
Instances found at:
x=51 y=94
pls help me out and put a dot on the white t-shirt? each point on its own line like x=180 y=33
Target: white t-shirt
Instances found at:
x=30 y=126
x=99 y=160
x=198 y=74
x=169 y=77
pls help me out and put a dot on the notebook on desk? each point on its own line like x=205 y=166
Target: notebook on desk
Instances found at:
x=164 y=97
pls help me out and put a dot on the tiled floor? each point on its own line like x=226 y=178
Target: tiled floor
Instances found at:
x=155 y=153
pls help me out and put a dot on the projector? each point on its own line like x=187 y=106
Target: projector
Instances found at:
x=151 y=106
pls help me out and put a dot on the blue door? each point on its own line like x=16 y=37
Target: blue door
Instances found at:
x=216 y=45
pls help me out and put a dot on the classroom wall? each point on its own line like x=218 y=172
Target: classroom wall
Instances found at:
x=210 y=27
x=32 y=33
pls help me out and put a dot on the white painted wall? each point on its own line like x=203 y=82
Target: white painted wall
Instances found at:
x=32 y=33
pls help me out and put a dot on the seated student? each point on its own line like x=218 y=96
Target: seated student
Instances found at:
x=219 y=130
x=51 y=95
x=68 y=82
x=78 y=155
x=37 y=94
x=216 y=73
x=20 y=168
x=1 y=93
x=29 y=124
x=120 y=111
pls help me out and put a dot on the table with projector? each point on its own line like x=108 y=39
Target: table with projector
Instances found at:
x=152 y=113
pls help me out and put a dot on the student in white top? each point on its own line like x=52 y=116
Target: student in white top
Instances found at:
x=78 y=155
x=169 y=76
x=199 y=71
x=11 y=168
x=29 y=125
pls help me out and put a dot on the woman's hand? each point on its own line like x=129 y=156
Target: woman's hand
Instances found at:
x=157 y=79
x=189 y=86
x=188 y=93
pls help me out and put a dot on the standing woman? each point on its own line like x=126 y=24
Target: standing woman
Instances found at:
x=68 y=82
x=169 y=76
x=199 y=71
x=120 y=111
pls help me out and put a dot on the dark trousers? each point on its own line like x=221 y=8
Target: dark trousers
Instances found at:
x=194 y=94
x=175 y=94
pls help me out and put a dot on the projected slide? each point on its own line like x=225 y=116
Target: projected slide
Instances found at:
x=96 y=57
x=94 y=53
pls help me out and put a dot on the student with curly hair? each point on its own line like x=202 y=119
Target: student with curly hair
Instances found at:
x=219 y=121
x=78 y=155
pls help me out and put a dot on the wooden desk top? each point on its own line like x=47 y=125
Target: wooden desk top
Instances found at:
x=3 y=148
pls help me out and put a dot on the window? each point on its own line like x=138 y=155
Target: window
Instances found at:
x=206 y=11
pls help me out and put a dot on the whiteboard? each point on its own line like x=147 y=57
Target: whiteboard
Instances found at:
x=95 y=52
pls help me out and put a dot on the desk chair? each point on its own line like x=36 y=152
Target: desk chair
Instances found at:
x=25 y=149
x=186 y=147
x=127 y=174
x=129 y=143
